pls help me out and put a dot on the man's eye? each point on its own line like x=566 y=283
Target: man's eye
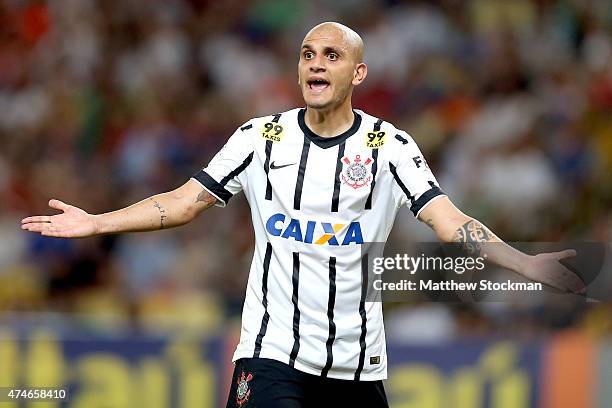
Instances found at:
x=332 y=56
x=308 y=55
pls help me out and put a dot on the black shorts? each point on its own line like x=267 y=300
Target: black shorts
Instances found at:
x=265 y=383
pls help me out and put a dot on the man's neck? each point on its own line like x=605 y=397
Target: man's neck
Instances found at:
x=331 y=122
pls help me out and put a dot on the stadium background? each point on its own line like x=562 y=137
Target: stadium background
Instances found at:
x=103 y=103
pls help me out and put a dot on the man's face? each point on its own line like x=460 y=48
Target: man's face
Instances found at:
x=326 y=69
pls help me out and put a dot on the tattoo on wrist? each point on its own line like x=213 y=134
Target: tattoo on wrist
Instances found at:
x=162 y=214
x=472 y=235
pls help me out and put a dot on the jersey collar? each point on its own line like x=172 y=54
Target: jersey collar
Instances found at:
x=326 y=142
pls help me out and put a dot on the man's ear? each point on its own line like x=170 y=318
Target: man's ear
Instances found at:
x=361 y=71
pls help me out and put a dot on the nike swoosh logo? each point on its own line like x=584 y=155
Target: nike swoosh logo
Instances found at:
x=274 y=166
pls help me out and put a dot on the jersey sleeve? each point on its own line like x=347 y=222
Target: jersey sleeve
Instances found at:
x=415 y=185
x=225 y=174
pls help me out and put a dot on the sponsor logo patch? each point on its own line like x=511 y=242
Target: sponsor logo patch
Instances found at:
x=275 y=166
x=325 y=232
x=272 y=131
x=374 y=140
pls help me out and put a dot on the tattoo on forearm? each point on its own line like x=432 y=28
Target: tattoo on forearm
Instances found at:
x=162 y=214
x=472 y=235
x=429 y=222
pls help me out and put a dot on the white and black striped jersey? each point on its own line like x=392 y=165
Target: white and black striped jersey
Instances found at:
x=314 y=201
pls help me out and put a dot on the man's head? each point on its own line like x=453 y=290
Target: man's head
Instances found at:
x=331 y=64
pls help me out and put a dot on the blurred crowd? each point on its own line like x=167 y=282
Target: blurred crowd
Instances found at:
x=103 y=103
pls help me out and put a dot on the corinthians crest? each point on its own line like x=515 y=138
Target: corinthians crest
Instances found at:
x=243 y=392
x=357 y=173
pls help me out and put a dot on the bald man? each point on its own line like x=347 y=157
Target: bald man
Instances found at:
x=321 y=181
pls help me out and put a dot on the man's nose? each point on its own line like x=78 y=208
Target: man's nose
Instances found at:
x=317 y=65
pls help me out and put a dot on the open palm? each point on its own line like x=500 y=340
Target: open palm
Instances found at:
x=548 y=269
x=71 y=223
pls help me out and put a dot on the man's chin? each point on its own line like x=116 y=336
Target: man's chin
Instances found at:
x=319 y=105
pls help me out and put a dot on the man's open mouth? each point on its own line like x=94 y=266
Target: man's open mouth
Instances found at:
x=318 y=85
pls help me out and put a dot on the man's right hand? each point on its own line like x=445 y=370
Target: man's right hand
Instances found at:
x=165 y=210
x=71 y=223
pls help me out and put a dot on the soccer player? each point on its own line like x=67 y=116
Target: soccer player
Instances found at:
x=320 y=181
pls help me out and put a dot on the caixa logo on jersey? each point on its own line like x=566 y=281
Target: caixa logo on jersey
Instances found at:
x=304 y=231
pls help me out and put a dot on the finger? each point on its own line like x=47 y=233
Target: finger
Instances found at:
x=37 y=218
x=577 y=288
x=46 y=229
x=37 y=227
x=58 y=205
x=572 y=282
x=568 y=253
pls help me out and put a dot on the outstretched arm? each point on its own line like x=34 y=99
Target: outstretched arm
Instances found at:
x=451 y=225
x=166 y=210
